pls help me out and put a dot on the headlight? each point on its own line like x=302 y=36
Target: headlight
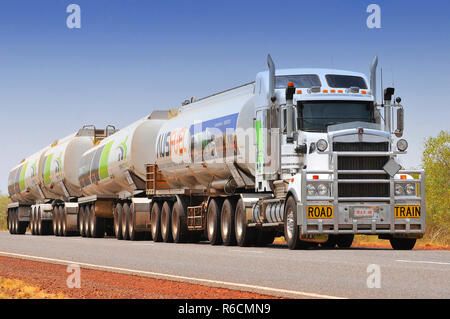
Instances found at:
x=322 y=145
x=322 y=190
x=402 y=145
x=311 y=190
x=399 y=190
x=410 y=189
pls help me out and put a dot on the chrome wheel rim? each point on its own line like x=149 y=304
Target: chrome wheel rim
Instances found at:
x=290 y=223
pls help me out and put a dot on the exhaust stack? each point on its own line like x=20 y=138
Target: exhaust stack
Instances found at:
x=373 y=77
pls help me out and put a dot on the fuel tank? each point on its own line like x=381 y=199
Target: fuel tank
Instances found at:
x=51 y=173
x=117 y=165
x=201 y=146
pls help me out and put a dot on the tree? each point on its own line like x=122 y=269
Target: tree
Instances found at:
x=4 y=201
x=436 y=163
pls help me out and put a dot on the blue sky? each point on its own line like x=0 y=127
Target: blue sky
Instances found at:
x=131 y=57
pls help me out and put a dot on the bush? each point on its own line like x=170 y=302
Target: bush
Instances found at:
x=436 y=163
x=4 y=201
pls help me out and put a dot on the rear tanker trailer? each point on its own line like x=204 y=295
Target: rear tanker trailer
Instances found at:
x=44 y=187
x=307 y=154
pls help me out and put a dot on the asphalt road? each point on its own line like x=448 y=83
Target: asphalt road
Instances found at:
x=273 y=270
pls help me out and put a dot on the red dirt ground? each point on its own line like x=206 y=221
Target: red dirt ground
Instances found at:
x=97 y=284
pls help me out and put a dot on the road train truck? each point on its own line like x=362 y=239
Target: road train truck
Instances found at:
x=307 y=154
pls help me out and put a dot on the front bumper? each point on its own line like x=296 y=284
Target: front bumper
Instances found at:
x=345 y=221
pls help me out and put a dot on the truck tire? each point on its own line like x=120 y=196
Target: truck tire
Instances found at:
x=81 y=221
x=227 y=230
x=344 y=241
x=11 y=221
x=22 y=228
x=132 y=233
x=15 y=221
x=60 y=220
x=86 y=219
x=331 y=242
x=64 y=227
x=118 y=221
x=291 y=229
x=179 y=223
x=97 y=224
x=213 y=222
x=245 y=236
x=125 y=212
x=156 y=221
x=40 y=228
x=109 y=226
x=31 y=221
x=403 y=243
x=166 y=216
x=54 y=221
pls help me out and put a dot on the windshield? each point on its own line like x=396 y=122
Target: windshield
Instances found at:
x=300 y=81
x=316 y=116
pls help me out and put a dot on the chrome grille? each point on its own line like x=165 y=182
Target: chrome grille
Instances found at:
x=362 y=163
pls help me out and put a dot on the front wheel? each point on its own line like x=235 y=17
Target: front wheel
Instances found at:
x=403 y=243
x=345 y=241
x=291 y=229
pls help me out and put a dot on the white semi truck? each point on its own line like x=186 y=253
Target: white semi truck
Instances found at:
x=307 y=154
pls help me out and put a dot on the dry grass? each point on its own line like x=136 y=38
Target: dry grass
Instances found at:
x=17 y=289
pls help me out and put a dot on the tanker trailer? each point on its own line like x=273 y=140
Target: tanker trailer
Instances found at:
x=112 y=176
x=46 y=185
x=24 y=190
x=302 y=153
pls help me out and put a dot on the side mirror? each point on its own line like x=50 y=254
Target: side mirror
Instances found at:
x=400 y=122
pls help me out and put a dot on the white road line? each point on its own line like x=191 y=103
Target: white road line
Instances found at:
x=423 y=262
x=247 y=251
x=206 y=282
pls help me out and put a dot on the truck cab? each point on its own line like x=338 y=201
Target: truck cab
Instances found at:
x=336 y=170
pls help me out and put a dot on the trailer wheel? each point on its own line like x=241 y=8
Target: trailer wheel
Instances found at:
x=132 y=233
x=227 y=222
x=32 y=221
x=86 y=218
x=291 y=229
x=8 y=221
x=81 y=221
x=179 y=224
x=403 y=243
x=11 y=219
x=166 y=216
x=97 y=224
x=118 y=221
x=245 y=236
x=156 y=221
x=345 y=241
x=39 y=227
x=213 y=222
x=60 y=220
x=125 y=212
x=64 y=230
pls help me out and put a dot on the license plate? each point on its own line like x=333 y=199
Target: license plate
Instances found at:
x=322 y=212
x=407 y=211
x=363 y=212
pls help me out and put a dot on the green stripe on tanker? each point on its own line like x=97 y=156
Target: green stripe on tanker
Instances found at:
x=103 y=167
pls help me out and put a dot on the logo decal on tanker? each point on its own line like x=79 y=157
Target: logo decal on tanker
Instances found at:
x=180 y=141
